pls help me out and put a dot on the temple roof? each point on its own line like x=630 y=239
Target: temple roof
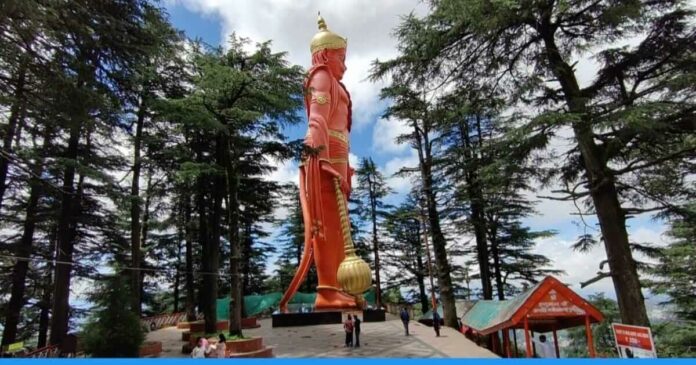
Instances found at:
x=548 y=305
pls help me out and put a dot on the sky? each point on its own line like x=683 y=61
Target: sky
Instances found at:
x=368 y=25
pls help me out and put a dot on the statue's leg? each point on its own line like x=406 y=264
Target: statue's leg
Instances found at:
x=329 y=254
x=306 y=260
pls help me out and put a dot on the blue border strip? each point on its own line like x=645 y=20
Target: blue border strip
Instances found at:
x=339 y=361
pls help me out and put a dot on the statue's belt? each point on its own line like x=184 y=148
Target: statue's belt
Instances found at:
x=338 y=135
x=333 y=161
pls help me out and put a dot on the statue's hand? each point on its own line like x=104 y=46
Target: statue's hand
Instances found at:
x=344 y=185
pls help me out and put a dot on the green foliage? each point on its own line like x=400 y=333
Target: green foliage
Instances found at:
x=675 y=338
x=675 y=273
x=292 y=240
x=404 y=250
x=113 y=330
x=630 y=127
x=601 y=332
x=393 y=295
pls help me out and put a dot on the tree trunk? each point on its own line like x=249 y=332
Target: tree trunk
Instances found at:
x=375 y=243
x=145 y=229
x=177 y=276
x=70 y=202
x=190 y=290
x=246 y=257
x=235 y=249
x=45 y=311
x=475 y=196
x=207 y=302
x=16 y=114
x=135 y=212
x=24 y=250
x=602 y=187
x=500 y=286
x=420 y=278
x=438 y=239
x=218 y=194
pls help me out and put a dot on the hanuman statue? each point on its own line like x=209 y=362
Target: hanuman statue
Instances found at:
x=325 y=182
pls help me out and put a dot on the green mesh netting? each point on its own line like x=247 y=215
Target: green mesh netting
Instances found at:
x=256 y=304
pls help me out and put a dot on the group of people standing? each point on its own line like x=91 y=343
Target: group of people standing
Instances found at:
x=205 y=349
x=405 y=318
x=352 y=327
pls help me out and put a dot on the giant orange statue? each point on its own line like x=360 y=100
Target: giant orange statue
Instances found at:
x=325 y=177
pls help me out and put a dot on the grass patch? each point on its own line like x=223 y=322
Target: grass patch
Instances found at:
x=237 y=337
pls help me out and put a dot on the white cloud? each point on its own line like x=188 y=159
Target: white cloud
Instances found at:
x=400 y=184
x=581 y=267
x=285 y=172
x=353 y=160
x=384 y=136
x=291 y=24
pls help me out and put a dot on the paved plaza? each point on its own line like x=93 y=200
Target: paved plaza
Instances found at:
x=377 y=339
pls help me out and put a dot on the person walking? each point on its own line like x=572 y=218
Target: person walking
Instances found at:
x=348 y=327
x=356 y=329
x=405 y=318
x=436 y=322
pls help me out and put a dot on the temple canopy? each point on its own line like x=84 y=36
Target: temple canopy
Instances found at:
x=548 y=306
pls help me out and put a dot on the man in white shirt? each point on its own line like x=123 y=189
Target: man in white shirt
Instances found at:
x=545 y=349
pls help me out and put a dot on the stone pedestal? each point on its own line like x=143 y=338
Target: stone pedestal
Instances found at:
x=324 y=317
x=306 y=319
x=374 y=315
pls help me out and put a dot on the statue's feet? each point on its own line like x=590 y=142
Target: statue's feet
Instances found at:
x=333 y=299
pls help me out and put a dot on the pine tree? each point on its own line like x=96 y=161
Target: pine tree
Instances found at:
x=114 y=330
x=411 y=106
x=372 y=189
x=674 y=274
x=630 y=125
x=404 y=252
x=292 y=239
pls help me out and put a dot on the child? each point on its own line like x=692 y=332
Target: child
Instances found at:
x=198 y=352
x=348 y=327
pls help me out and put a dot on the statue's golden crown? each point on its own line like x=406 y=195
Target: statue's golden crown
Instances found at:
x=326 y=39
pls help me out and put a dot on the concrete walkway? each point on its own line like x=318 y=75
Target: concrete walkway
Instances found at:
x=171 y=341
x=377 y=339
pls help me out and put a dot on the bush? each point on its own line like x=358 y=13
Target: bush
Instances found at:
x=113 y=331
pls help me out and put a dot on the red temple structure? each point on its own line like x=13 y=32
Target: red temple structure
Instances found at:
x=549 y=306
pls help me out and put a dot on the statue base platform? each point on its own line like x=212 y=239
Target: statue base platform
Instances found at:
x=323 y=317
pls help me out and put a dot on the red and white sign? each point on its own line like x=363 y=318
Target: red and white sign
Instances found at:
x=633 y=341
x=553 y=304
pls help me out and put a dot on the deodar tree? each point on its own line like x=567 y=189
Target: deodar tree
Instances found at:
x=631 y=125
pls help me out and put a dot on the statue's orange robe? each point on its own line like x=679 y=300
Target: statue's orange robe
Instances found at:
x=329 y=112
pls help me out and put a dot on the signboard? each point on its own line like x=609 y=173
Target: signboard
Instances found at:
x=14 y=347
x=633 y=341
x=554 y=304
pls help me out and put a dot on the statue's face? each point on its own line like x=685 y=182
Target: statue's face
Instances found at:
x=337 y=62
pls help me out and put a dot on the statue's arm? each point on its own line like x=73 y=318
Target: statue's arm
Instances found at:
x=319 y=109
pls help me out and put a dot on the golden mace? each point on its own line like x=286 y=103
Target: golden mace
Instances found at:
x=354 y=273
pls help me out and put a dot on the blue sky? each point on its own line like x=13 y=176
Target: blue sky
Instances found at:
x=368 y=25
